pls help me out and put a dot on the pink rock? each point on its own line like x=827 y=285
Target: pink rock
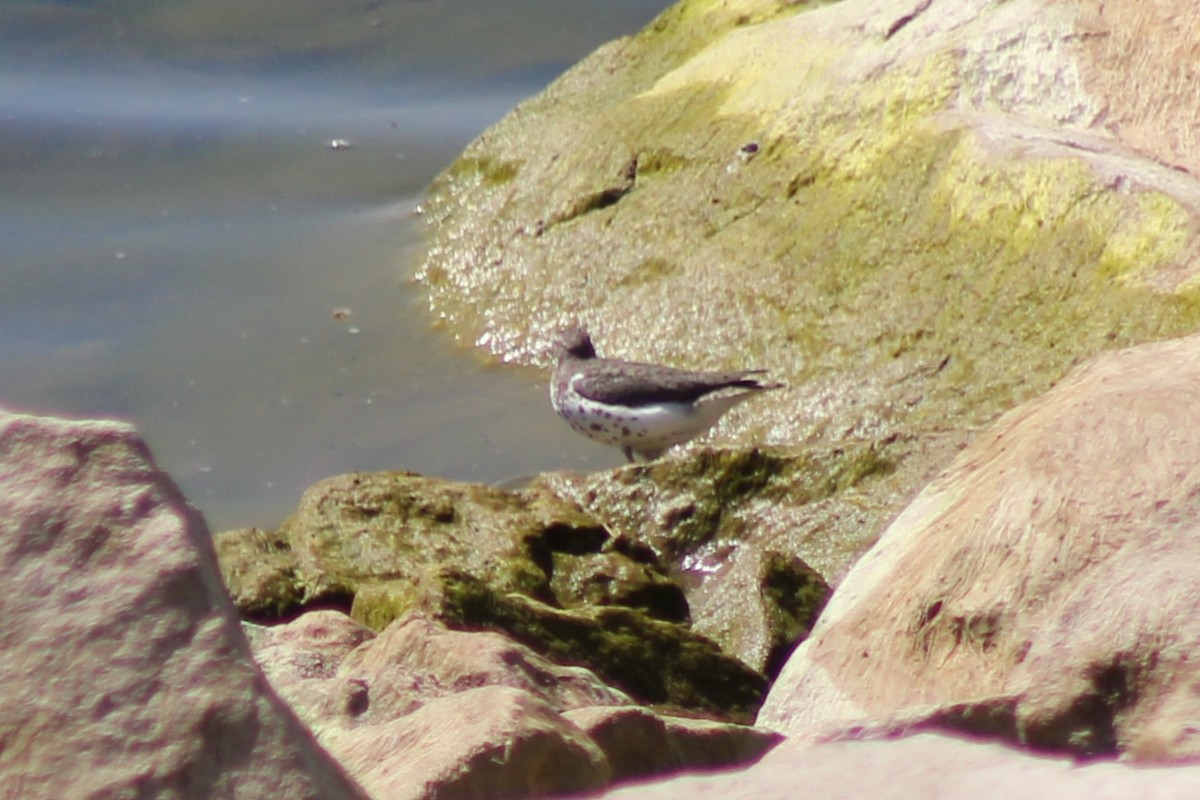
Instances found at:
x=924 y=766
x=301 y=659
x=488 y=742
x=639 y=742
x=1045 y=588
x=122 y=666
x=416 y=659
x=423 y=708
x=325 y=637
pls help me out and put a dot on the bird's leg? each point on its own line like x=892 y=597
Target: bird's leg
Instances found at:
x=628 y=451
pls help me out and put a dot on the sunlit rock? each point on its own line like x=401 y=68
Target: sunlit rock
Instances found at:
x=490 y=741
x=385 y=704
x=917 y=215
x=925 y=765
x=122 y=666
x=1043 y=590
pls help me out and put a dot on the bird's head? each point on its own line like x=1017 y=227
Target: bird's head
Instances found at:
x=574 y=342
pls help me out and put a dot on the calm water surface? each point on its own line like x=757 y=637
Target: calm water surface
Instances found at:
x=182 y=247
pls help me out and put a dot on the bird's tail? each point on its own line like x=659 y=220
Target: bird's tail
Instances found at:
x=758 y=384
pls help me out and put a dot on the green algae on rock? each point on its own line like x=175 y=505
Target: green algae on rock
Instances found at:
x=391 y=532
x=383 y=545
x=389 y=528
x=656 y=662
x=912 y=218
x=725 y=522
x=709 y=499
x=613 y=578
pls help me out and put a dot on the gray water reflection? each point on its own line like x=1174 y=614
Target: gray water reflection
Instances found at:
x=176 y=234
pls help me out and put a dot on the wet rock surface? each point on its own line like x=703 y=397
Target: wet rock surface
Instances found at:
x=927 y=218
x=730 y=525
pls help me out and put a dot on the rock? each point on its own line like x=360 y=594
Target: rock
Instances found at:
x=383 y=704
x=302 y=660
x=713 y=517
x=616 y=578
x=393 y=532
x=1043 y=589
x=639 y=743
x=396 y=529
x=658 y=663
x=528 y=563
x=926 y=765
x=912 y=217
x=917 y=216
x=122 y=667
x=491 y=741
x=383 y=707
x=416 y=660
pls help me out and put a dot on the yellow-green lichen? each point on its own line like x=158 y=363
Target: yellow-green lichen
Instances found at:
x=910 y=266
x=688 y=26
x=1156 y=235
x=488 y=172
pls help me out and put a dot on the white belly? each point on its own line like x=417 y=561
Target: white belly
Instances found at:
x=647 y=430
x=654 y=427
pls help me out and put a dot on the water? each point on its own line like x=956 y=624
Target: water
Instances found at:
x=182 y=246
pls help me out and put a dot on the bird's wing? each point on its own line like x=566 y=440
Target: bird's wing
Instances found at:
x=626 y=383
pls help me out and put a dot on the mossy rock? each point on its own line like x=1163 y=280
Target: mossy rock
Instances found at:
x=261 y=572
x=697 y=500
x=389 y=532
x=656 y=662
x=611 y=578
x=756 y=536
x=529 y=563
x=792 y=595
x=914 y=232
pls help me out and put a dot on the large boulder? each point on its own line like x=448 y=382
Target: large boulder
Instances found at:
x=122 y=666
x=916 y=214
x=1043 y=590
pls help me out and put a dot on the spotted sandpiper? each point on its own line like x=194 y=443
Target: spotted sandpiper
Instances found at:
x=644 y=409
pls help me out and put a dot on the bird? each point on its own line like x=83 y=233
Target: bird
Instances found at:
x=643 y=409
